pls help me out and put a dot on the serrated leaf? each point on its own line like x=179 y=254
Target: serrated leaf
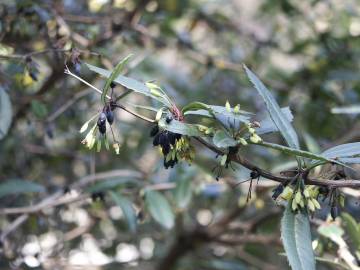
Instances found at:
x=183 y=192
x=5 y=113
x=352 y=228
x=296 y=237
x=114 y=74
x=129 y=83
x=300 y=153
x=18 y=186
x=127 y=209
x=222 y=140
x=275 y=112
x=159 y=208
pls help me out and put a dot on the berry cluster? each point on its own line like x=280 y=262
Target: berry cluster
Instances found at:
x=166 y=140
x=108 y=115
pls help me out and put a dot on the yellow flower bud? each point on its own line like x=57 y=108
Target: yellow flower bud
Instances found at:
x=316 y=203
x=298 y=197
x=294 y=205
x=287 y=193
x=237 y=109
x=227 y=106
x=311 y=205
x=302 y=204
x=223 y=160
x=116 y=147
x=306 y=193
x=254 y=138
x=243 y=141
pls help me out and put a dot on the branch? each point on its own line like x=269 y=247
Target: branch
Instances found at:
x=311 y=181
x=237 y=158
x=59 y=198
x=24 y=56
x=234 y=240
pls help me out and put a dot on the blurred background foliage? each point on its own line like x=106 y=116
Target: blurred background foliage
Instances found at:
x=308 y=52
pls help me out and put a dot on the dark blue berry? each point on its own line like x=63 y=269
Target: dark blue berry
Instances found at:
x=77 y=68
x=110 y=117
x=154 y=131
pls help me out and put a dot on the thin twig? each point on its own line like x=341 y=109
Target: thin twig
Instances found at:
x=69 y=103
x=67 y=71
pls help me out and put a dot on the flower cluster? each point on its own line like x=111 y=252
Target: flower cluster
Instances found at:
x=301 y=199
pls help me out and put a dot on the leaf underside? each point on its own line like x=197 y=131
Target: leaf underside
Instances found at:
x=296 y=237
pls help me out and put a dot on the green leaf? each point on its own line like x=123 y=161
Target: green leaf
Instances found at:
x=333 y=232
x=129 y=83
x=183 y=192
x=223 y=140
x=159 y=208
x=267 y=125
x=296 y=237
x=110 y=184
x=181 y=128
x=220 y=113
x=18 y=186
x=39 y=109
x=300 y=153
x=194 y=106
x=354 y=160
x=343 y=150
x=115 y=73
x=275 y=112
x=127 y=209
x=352 y=228
x=5 y=113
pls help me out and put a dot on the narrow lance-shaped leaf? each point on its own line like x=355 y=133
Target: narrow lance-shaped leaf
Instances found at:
x=5 y=113
x=18 y=186
x=267 y=125
x=119 y=67
x=159 y=208
x=352 y=228
x=111 y=184
x=183 y=192
x=274 y=110
x=300 y=153
x=129 y=83
x=126 y=208
x=343 y=150
x=296 y=237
